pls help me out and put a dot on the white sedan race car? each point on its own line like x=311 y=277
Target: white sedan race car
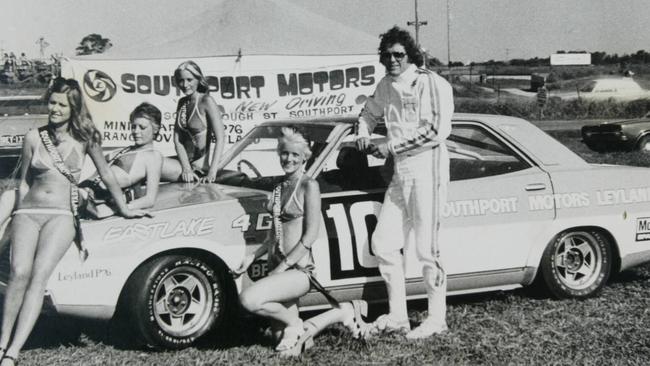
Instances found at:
x=521 y=208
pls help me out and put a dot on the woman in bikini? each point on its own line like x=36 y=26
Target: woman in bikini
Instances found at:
x=295 y=205
x=197 y=115
x=45 y=221
x=134 y=164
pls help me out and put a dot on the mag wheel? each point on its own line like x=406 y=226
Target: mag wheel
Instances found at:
x=174 y=300
x=576 y=264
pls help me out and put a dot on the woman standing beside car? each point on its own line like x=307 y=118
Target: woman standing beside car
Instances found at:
x=45 y=221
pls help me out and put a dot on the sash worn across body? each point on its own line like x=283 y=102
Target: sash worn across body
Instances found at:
x=74 y=189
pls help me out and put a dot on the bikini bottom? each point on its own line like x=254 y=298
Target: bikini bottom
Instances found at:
x=40 y=216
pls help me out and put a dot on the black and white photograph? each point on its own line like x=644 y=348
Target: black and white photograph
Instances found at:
x=324 y=182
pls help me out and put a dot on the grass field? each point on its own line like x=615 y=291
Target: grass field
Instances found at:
x=493 y=328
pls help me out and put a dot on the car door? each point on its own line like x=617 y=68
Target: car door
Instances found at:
x=492 y=213
x=486 y=225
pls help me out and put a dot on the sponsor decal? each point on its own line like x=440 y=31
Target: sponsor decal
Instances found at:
x=643 y=229
x=258 y=269
x=161 y=230
x=604 y=197
x=99 y=86
x=480 y=207
x=83 y=275
x=558 y=200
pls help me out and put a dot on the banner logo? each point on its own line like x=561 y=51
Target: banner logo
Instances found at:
x=99 y=86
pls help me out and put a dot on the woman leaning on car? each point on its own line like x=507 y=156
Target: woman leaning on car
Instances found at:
x=45 y=220
x=197 y=119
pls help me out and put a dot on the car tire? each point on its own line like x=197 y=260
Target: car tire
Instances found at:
x=174 y=300
x=576 y=264
x=644 y=143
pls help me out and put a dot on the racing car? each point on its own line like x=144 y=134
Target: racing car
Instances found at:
x=522 y=209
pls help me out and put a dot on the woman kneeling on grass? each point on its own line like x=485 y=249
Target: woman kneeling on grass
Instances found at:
x=295 y=205
x=45 y=220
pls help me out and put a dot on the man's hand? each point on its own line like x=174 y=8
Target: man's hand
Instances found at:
x=363 y=143
x=381 y=151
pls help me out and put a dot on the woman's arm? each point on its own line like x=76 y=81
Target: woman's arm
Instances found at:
x=153 y=165
x=95 y=152
x=213 y=115
x=311 y=226
x=31 y=140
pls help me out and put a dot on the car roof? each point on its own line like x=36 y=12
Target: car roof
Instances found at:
x=532 y=141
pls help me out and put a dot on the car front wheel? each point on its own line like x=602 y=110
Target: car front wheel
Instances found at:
x=576 y=264
x=174 y=300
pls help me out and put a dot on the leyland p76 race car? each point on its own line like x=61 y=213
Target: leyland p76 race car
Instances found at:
x=521 y=209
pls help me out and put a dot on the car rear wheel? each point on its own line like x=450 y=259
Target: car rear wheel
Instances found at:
x=644 y=143
x=576 y=264
x=174 y=300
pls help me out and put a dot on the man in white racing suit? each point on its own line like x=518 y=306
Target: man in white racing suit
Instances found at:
x=417 y=106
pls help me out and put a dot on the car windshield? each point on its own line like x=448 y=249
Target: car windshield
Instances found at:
x=254 y=161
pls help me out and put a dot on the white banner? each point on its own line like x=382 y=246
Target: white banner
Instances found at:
x=251 y=89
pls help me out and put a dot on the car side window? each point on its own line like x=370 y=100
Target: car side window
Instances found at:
x=348 y=169
x=476 y=153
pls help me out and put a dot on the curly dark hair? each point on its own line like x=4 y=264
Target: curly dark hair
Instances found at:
x=403 y=37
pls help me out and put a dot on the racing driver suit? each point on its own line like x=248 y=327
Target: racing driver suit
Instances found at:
x=417 y=107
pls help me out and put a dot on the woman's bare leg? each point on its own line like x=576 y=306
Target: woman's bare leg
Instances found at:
x=267 y=297
x=171 y=170
x=54 y=240
x=24 y=232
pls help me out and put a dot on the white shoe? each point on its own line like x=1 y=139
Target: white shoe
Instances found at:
x=426 y=329
x=387 y=324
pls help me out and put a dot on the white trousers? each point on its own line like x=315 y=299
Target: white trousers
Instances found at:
x=412 y=202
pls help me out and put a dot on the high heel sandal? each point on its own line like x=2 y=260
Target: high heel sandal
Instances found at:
x=305 y=342
x=290 y=338
x=358 y=327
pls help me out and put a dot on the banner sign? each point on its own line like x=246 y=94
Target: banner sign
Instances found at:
x=250 y=89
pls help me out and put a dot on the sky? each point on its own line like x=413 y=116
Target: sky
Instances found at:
x=479 y=29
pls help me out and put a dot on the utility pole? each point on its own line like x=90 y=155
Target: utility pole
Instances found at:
x=417 y=23
x=448 y=37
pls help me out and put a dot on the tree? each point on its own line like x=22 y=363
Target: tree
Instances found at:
x=93 y=43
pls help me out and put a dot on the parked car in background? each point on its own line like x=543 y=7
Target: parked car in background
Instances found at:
x=521 y=209
x=631 y=134
x=18 y=114
x=622 y=89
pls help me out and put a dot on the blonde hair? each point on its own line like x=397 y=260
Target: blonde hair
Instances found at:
x=194 y=69
x=292 y=135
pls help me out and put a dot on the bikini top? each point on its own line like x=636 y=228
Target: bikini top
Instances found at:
x=125 y=159
x=72 y=158
x=292 y=209
x=185 y=120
